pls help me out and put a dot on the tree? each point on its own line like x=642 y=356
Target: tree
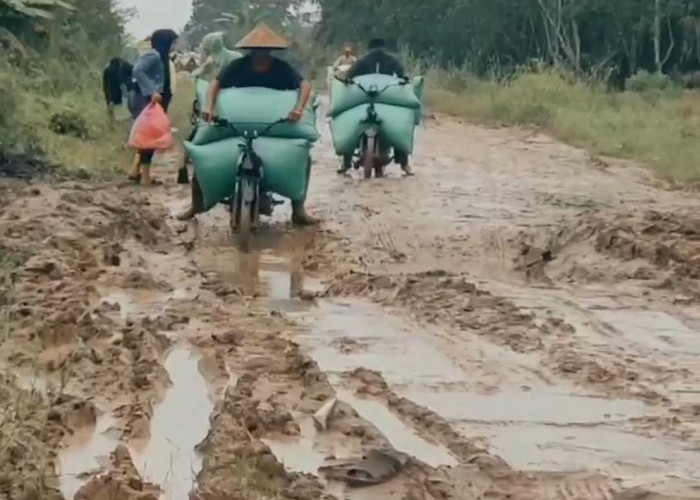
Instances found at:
x=499 y=35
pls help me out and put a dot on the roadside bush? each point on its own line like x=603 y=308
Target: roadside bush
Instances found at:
x=643 y=81
x=8 y=113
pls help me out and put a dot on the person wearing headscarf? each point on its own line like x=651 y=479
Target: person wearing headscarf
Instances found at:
x=214 y=55
x=152 y=85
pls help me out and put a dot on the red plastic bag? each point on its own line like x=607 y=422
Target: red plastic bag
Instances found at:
x=151 y=129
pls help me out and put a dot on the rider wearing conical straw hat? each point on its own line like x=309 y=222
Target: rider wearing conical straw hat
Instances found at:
x=259 y=68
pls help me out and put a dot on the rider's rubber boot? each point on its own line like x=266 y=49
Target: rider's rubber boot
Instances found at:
x=300 y=217
x=346 y=165
x=402 y=159
x=187 y=214
x=197 y=205
x=182 y=175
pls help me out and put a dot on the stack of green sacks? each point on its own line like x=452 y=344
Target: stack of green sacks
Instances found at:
x=285 y=149
x=398 y=107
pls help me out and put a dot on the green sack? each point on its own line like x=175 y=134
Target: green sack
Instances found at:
x=253 y=109
x=345 y=96
x=396 y=129
x=285 y=167
x=418 y=84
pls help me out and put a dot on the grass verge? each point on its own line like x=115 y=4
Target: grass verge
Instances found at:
x=25 y=461
x=660 y=129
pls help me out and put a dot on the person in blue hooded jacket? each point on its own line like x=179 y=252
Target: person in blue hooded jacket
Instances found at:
x=152 y=81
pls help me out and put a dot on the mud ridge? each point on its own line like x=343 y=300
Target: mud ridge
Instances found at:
x=661 y=249
x=440 y=297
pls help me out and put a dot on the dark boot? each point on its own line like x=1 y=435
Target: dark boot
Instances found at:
x=299 y=215
x=182 y=175
x=402 y=159
x=188 y=214
x=346 y=165
x=197 y=205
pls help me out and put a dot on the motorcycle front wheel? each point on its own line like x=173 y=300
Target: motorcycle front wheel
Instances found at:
x=369 y=156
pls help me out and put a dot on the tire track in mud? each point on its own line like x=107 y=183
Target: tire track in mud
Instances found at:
x=484 y=200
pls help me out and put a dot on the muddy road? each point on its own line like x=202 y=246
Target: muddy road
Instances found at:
x=520 y=318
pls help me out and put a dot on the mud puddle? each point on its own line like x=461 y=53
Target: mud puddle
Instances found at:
x=531 y=422
x=142 y=303
x=272 y=272
x=401 y=437
x=180 y=423
x=605 y=324
x=303 y=453
x=86 y=454
x=664 y=466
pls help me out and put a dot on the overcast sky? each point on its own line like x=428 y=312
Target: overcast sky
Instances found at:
x=156 y=14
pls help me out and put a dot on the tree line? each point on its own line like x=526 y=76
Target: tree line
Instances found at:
x=622 y=36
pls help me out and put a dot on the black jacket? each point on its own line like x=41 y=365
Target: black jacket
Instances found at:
x=377 y=61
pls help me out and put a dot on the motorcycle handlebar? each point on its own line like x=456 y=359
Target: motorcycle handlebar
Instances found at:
x=221 y=122
x=402 y=81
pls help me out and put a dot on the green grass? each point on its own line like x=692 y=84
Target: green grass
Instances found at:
x=25 y=462
x=25 y=466
x=660 y=129
x=36 y=97
x=181 y=108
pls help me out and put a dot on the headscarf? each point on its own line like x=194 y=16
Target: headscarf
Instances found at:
x=213 y=46
x=162 y=41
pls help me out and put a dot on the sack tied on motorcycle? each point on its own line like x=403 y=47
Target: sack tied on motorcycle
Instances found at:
x=285 y=167
x=345 y=96
x=396 y=129
x=252 y=109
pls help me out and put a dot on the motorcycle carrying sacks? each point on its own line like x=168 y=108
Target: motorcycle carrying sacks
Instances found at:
x=396 y=129
x=398 y=108
x=151 y=129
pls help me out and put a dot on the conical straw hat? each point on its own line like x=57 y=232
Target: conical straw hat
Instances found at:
x=262 y=37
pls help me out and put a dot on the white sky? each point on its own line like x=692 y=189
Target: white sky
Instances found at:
x=157 y=14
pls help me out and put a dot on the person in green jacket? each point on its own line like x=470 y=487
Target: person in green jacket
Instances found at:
x=214 y=57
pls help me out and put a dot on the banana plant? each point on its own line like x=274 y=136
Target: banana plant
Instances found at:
x=35 y=9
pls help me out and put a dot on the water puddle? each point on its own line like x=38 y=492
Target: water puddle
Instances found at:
x=301 y=453
x=87 y=452
x=375 y=341
x=651 y=463
x=401 y=437
x=142 y=303
x=532 y=407
x=656 y=330
x=179 y=424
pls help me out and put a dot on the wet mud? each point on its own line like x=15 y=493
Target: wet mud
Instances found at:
x=520 y=324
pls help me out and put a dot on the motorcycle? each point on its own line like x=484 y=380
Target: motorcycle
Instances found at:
x=248 y=202
x=374 y=153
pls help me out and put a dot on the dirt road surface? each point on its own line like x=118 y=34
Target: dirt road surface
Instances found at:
x=520 y=318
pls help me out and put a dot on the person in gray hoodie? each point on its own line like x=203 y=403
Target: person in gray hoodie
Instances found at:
x=152 y=85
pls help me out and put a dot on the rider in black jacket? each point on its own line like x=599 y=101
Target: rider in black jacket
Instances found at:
x=378 y=60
